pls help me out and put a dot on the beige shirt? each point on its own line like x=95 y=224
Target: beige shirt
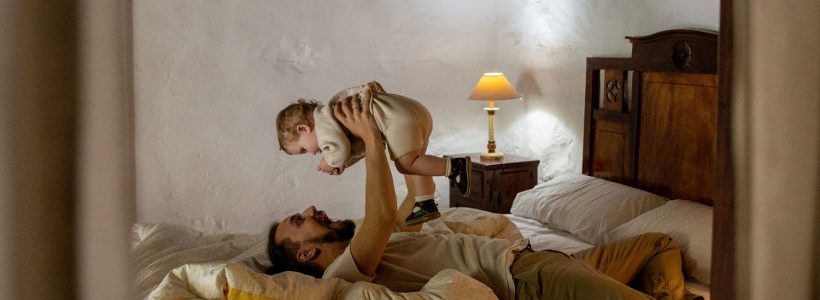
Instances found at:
x=404 y=123
x=411 y=259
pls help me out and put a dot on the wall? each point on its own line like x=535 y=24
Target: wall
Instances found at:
x=211 y=75
x=543 y=46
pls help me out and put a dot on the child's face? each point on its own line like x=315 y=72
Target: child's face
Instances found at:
x=305 y=143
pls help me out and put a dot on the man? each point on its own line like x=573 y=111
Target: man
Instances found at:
x=312 y=243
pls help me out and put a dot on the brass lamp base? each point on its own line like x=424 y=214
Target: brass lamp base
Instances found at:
x=492 y=155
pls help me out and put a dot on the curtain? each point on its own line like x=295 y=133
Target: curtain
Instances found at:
x=66 y=150
x=776 y=136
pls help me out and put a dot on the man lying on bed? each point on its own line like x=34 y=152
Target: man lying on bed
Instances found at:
x=311 y=243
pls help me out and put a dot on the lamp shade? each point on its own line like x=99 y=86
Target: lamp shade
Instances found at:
x=493 y=86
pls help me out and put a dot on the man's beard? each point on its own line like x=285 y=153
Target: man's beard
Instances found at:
x=342 y=234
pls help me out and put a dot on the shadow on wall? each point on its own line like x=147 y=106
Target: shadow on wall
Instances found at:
x=526 y=85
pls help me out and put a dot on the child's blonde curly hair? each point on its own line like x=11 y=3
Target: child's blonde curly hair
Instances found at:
x=295 y=114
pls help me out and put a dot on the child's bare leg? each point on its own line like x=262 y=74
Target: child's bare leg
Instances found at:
x=424 y=206
x=418 y=163
x=418 y=168
x=458 y=169
x=406 y=206
x=423 y=186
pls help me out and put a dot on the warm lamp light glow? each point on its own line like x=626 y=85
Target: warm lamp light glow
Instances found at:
x=493 y=86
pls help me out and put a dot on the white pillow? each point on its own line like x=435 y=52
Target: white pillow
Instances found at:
x=159 y=248
x=690 y=225
x=585 y=206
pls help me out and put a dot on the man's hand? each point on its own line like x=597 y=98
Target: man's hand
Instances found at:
x=354 y=114
x=324 y=167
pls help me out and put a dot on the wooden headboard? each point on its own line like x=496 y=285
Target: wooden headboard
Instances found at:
x=651 y=120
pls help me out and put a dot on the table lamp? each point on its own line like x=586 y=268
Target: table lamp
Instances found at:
x=492 y=87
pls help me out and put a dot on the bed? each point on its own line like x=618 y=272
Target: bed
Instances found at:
x=655 y=122
x=574 y=212
x=650 y=163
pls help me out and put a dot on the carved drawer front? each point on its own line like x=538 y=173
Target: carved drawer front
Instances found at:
x=496 y=183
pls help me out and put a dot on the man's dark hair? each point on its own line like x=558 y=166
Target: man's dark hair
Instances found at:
x=283 y=257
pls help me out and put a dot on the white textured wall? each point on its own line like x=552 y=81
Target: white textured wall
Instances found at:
x=211 y=75
x=543 y=46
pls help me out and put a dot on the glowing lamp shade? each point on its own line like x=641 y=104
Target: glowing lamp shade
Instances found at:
x=491 y=87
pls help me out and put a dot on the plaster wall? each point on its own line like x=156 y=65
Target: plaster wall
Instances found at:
x=210 y=77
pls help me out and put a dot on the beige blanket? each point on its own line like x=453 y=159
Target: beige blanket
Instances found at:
x=236 y=281
x=191 y=264
x=473 y=221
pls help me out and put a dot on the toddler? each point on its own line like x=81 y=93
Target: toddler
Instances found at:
x=309 y=127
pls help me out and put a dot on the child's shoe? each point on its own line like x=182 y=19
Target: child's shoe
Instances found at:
x=460 y=174
x=423 y=211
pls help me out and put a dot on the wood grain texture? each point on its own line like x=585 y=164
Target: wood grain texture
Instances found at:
x=677 y=145
x=723 y=238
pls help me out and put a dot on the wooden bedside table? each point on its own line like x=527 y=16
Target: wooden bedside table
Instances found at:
x=496 y=182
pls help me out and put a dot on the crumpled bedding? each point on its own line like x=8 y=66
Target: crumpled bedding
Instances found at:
x=236 y=281
x=177 y=262
x=473 y=221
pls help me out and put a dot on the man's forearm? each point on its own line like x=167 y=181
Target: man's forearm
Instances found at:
x=367 y=246
x=380 y=196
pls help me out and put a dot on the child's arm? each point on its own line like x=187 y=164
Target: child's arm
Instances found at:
x=333 y=140
x=356 y=151
x=330 y=170
x=355 y=148
x=356 y=154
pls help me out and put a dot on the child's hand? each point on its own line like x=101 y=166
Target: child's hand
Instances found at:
x=324 y=167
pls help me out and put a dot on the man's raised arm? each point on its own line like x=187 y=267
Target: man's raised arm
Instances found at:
x=380 y=215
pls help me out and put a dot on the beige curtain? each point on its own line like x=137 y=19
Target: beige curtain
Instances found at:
x=66 y=150
x=776 y=111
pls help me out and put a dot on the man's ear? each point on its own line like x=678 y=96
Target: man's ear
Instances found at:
x=307 y=253
x=303 y=128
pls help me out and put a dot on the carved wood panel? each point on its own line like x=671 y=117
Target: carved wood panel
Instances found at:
x=613 y=90
x=612 y=157
x=677 y=143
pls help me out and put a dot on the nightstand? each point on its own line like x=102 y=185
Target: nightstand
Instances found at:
x=496 y=182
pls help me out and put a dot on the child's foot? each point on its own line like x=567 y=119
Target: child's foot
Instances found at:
x=460 y=174
x=423 y=211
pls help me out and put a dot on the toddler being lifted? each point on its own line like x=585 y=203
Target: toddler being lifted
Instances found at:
x=307 y=126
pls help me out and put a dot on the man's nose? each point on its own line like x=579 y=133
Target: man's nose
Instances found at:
x=310 y=211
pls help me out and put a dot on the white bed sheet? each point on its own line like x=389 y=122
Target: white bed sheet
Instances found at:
x=542 y=237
